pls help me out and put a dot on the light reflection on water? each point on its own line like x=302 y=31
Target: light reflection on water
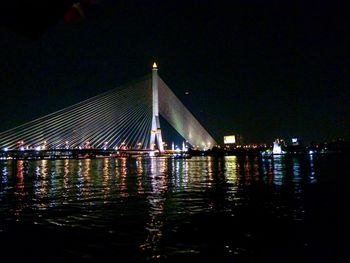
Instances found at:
x=147 y=195
x=82 y=181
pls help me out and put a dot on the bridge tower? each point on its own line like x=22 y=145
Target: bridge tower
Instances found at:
x=156 y=132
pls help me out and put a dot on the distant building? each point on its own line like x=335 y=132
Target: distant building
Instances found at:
x=230 y=139
x=296 y=141
x=233 y=139
x=277 y=147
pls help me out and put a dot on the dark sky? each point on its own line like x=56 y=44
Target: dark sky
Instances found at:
x=261 y=69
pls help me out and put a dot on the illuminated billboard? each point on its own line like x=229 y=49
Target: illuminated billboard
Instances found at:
x=229 y=139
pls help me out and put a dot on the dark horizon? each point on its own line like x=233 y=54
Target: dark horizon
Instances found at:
x=261 y=70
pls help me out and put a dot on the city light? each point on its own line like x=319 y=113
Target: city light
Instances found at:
x=105 y=146
x=230 y=139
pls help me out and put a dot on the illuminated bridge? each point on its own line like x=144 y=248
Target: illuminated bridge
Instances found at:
x=123 y=119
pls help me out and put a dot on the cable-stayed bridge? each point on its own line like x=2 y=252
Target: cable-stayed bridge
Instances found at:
x=123 y=119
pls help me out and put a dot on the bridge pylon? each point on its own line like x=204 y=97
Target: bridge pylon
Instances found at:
x=156 y=132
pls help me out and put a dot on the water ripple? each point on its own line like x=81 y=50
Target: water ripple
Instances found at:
x=161 y=208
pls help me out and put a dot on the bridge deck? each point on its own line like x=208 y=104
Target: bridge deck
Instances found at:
x=79 y=153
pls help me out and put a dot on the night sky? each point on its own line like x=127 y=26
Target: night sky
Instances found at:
x=261 y=69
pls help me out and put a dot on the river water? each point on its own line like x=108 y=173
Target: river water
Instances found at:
x=204 y=209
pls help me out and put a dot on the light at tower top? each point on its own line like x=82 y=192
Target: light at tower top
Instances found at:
x=154 y=65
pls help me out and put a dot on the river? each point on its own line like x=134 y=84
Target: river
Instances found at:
x=203 y=209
